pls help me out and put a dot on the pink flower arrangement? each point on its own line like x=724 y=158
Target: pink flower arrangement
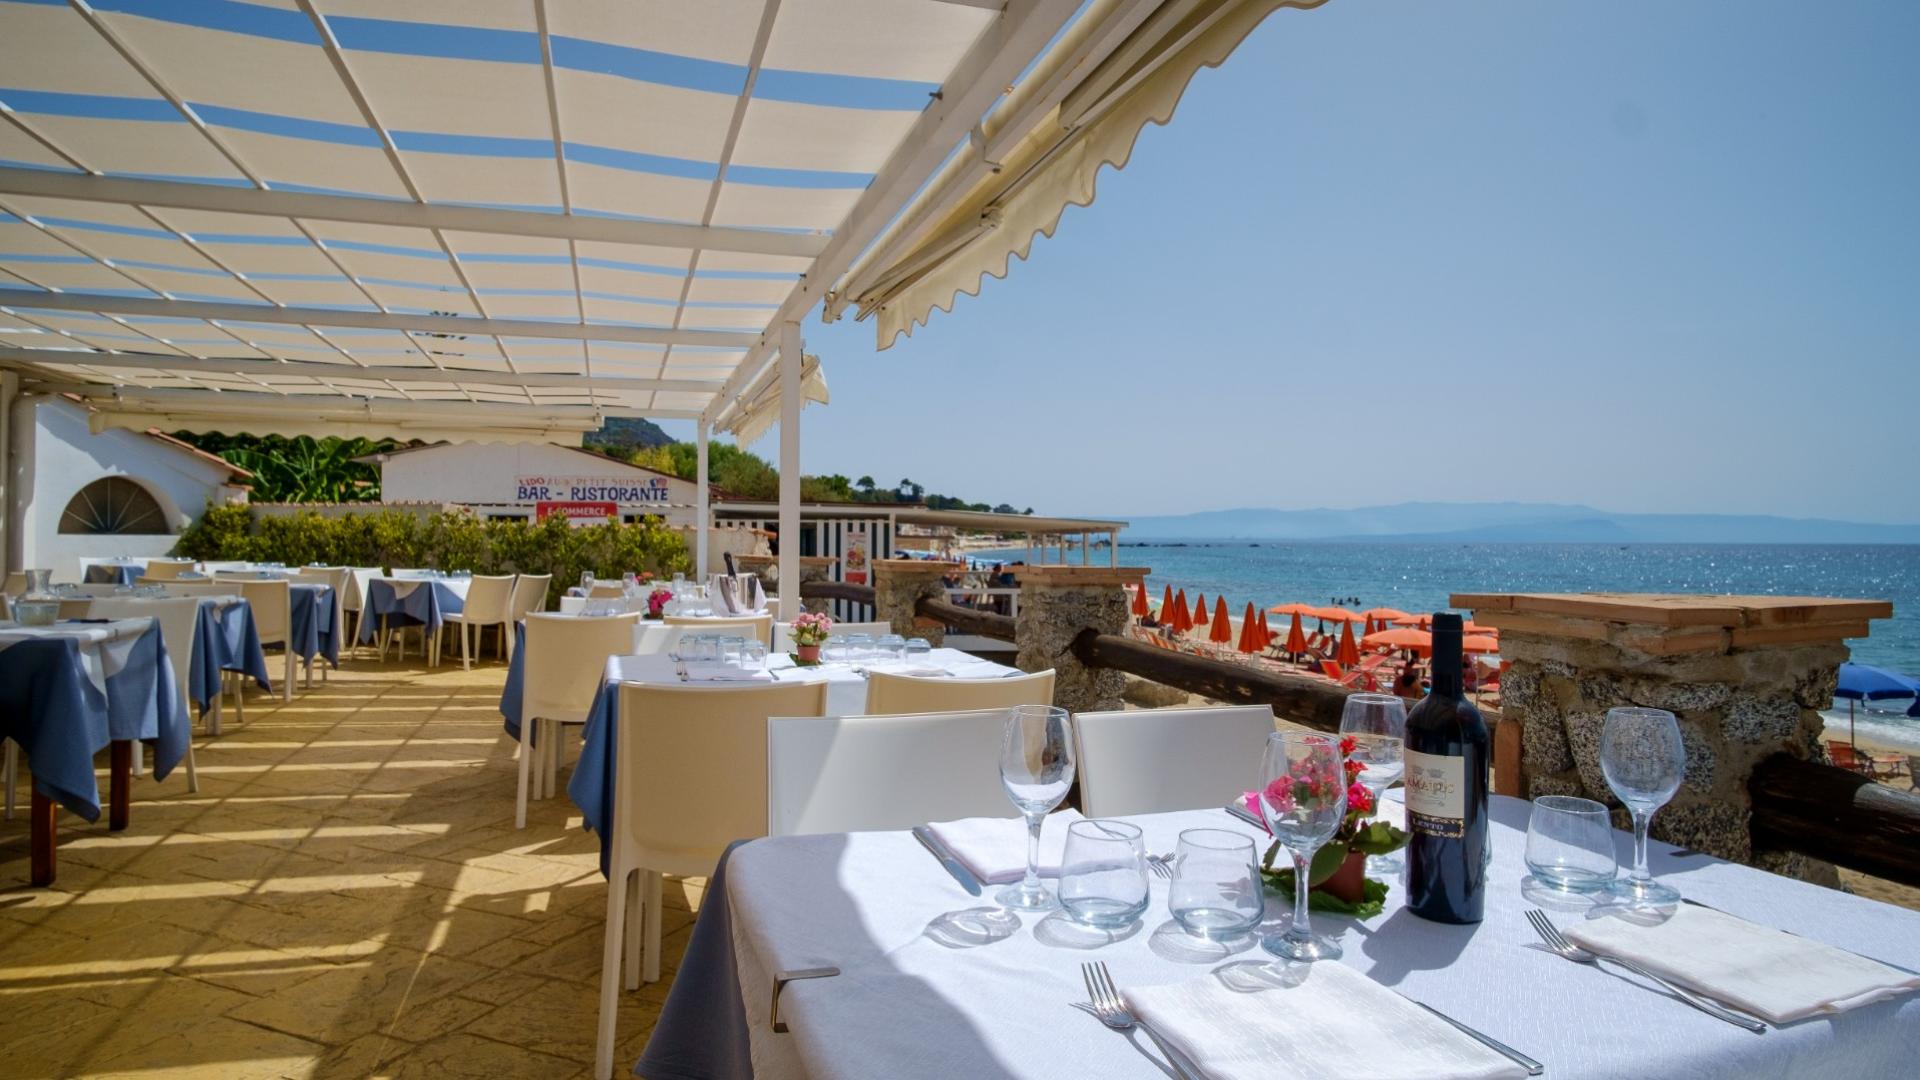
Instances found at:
x=657 y=601
x=810 y=628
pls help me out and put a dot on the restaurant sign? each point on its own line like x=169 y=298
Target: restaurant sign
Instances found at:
x=577 y=513
x=614 y=489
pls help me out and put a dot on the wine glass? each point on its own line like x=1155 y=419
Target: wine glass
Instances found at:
x=1303 y=799
x=1036 y=768
x=1644 y=761
x=1377 y=723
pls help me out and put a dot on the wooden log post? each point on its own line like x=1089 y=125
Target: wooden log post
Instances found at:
x=1057 y=605
x=1836 y=815
x=1312 y=702
x=1747 y=677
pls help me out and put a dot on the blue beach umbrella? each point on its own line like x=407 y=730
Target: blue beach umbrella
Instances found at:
x=1864 y=682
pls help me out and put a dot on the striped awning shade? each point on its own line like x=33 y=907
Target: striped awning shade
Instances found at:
x=545 y=211
x=1122 y=66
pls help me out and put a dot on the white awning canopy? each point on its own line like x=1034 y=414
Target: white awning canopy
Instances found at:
x=460 y=218
x=1123 y=64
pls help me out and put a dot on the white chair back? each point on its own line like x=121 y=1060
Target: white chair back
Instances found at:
x=1144 y=761
x=272 y=604
x=890 y=694
x=337 y=578
x=489 y=600
x=177 y=615
x=606 y=590
x=165 y=569
x=358 y=578
x=756 y=626
x=831 y=774
x=530 y=594
x=222 y=566
x=16 y=583
x=75 y=608
x=566 y=655
x=692 y=769
x=783 y=632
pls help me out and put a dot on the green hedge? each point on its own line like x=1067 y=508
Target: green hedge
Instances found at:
x=453 y=540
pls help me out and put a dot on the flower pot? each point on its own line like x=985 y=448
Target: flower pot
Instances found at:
x=807 y=653
x=1349 y=882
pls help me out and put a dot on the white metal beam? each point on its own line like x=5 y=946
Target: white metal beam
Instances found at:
x=167 y=194
x=374 y=320
x=320 y=407
x=994 y=61
x=703 y=501
x=790 y=353
x=328 y=372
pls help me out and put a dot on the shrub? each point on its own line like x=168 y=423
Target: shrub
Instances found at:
x=452 y=540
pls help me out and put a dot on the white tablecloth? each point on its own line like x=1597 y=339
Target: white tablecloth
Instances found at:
x=846 y=686
x=923 y=993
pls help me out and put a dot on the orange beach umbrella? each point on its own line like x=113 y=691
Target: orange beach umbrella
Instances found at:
x=1338 y=614
x=1140 y=609
x=1200 y=609
x=1349 y=652
x=1296 y=638
x=1386 y=614
x=1479 y=643
x=1292 y=609
x=1403 y=638
x=1165 y=617
x=1182 y=622
x=1266 y=634
x=1222 y=632
x=1247 y=631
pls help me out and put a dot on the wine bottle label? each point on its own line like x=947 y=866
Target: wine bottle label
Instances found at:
x=1437 y=794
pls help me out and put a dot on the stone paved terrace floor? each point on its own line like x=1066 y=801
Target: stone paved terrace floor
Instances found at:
x=345 y=897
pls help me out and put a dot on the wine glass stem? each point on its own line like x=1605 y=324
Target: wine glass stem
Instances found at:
x=1302 y=929
x=1032 y=882
x=1641 y=819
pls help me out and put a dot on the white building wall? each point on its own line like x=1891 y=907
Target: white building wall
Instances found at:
x=495 y=475
x=55 y=455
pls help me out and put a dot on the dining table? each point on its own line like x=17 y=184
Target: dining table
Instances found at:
x=592 y=786
x=114 y=572
x=399 y=601
x=72 y=689
x=930 y=979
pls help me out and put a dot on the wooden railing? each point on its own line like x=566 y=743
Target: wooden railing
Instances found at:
x=1810 y=807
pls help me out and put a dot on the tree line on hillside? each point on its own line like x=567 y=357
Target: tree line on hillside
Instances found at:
x=749 y=476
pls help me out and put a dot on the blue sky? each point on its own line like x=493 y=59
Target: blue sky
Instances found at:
x=1647 y=256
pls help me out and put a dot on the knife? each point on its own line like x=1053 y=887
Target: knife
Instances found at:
x=953 y=865
x=1244 y=814
x=1533 y=1067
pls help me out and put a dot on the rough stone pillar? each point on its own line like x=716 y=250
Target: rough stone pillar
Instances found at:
x=812 y=568
x=1746 y=676
x=1056 y=604
x=899 y=584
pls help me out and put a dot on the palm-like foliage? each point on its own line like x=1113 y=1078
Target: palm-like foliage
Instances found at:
x=300 y=469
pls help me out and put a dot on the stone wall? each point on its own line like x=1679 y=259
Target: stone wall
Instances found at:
x=900 y=584
x=1056 y=604
x=812 y=568
x=1745 y=678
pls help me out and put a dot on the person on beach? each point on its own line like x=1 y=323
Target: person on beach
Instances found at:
x=1408 y=684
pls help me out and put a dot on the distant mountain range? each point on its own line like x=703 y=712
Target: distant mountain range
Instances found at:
x=1540 y=523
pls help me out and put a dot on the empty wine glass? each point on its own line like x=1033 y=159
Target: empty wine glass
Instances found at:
x=1302 y=798
x=1036 y=768
x=1377 y=724
x=586 y=582
x=1644 y=761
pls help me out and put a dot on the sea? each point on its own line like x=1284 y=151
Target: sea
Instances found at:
x=1419 y=576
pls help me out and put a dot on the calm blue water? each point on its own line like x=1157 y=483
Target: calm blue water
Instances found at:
x=1418 y=577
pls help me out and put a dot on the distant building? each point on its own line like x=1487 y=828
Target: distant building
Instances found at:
x=73 y=494
x=527 y=480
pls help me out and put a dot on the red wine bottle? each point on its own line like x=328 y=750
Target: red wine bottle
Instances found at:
x=1448 y=759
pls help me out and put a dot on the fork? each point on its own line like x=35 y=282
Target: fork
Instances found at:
x=1112 y=1011
x=1559 y=945
x=1161 y=865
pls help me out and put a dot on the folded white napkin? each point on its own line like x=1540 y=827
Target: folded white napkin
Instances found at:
x=995 y=849
x=716 y=672
x=918 y=671
x=1334 y=1023
x=1767 y=972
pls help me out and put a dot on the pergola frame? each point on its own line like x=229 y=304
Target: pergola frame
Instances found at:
x=1018 y=32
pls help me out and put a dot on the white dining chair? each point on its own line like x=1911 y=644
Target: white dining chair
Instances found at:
x=16 y=583
x=1145 y=761
x=165 y=569
x=354 y=603
x=529 y=596
x=489 y=603
x=607 y=590
x=566 y=656
x=833 y=774
x=783 y=632
x=888 y=694
x=272 y=606
x=690 y=779
x=759 y=627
